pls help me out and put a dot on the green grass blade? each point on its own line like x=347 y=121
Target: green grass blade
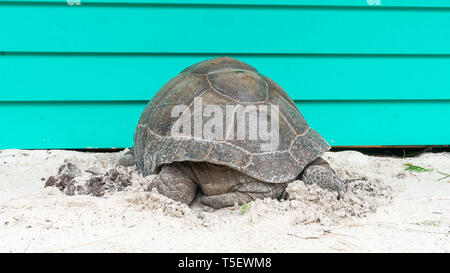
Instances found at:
x=414 y=168
x=446 y=175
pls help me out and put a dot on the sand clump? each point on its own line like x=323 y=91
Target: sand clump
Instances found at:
x=315 y=204
x=312 y=204
x=71 y=180
x=109 y=178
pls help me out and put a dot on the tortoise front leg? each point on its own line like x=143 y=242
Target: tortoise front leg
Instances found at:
x=174 y=183
x=320 y=173
x=245 y=193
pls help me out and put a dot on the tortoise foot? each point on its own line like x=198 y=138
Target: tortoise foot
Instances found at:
x=320 y=173
x=175 y=184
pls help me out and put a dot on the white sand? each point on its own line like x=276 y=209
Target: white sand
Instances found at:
x=415 y=219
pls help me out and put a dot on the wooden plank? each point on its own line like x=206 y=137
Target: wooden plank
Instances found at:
x=38 y=27
x=361 y=123
x=66 y=125
x=115 y=77
x=38 y=125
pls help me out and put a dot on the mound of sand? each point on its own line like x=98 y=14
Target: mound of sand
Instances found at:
x=308 y=203
x=151 y=200
x=96 y=182
x=106 y=178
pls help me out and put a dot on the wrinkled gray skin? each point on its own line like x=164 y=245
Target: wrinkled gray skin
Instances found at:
x=224 y=187
x=227 y=171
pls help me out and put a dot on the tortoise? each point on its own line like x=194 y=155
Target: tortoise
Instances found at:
x=227 y=171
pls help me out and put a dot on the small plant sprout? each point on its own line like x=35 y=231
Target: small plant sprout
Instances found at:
x=428 y=223
x=245 y=208
x=418 y=169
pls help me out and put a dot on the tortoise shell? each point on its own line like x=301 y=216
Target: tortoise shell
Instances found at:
x=221 y=82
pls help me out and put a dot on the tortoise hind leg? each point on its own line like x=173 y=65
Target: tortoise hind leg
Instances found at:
x=245 y=193
x=174 y=183
x=320 y=173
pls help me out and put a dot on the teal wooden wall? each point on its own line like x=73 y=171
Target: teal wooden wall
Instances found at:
x=362 y=74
